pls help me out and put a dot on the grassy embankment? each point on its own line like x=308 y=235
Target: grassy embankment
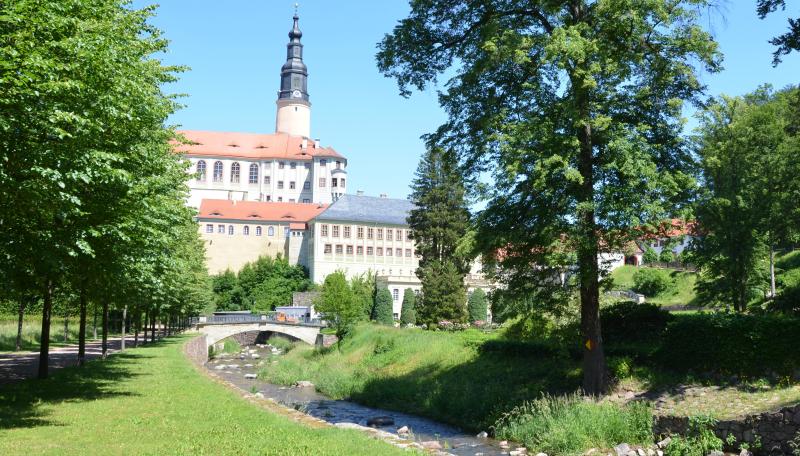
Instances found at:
x=32 y=330
x=681 y=293
x=151 y=400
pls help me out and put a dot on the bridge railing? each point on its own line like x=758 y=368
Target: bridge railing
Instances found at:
x=254 y=318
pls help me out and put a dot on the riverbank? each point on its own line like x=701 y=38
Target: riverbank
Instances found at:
x=151 y=400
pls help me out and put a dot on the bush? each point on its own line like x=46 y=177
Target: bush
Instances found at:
x=731 y=344
x=408 y=315
x=630 y=322
x=666 y=256
x=571 y=424
x=700 y=439
x=477 y=305
x=382 y=312
x=651 y=282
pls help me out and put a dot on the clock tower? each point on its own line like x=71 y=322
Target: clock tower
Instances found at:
x=294 y=109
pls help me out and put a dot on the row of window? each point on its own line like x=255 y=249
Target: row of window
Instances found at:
x=245 y=230
x=200 y=174
x=359 y=250
x=372 y=233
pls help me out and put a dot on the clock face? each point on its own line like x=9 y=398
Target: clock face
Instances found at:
x=296 y=94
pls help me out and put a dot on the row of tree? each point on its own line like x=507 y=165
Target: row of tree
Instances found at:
x=91 y=194
x=260 y=286
x=565 y=119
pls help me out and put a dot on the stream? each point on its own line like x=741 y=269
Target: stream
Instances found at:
x=234 y=367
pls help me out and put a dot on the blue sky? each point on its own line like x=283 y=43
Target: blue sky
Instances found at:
x=235 y=49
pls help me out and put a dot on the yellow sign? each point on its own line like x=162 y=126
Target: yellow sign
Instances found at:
x=589 y=344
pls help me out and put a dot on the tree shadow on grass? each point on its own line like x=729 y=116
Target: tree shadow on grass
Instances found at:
x=24 y=403
x=474 y=394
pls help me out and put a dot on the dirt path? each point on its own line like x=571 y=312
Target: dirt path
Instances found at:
x=20 y=365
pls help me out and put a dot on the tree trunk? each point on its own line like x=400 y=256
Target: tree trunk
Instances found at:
x=594 y=365
x=44 y=346
x=124 y=316
x=136 y=322
x=105 y=329
x=82 y=330
x=94 y=323
x=772 y=290
x=153 y=327
x=146 y=322
x=20 y=316
x=66 y=329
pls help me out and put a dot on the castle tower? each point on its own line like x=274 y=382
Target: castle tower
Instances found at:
x=294 y=109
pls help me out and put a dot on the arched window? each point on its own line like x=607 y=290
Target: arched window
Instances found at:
x=246 y=231
x=200 y=174
x=217 y=171
x=258 y=231
x=253 y=174
x=230 y=230
x=235 y=173
x=271 y=231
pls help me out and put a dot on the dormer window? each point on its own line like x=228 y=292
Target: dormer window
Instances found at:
x=323 y=163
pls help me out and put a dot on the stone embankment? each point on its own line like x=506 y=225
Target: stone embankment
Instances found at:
x=768 y=433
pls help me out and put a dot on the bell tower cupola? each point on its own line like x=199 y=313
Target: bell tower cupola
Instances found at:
x=294 y=109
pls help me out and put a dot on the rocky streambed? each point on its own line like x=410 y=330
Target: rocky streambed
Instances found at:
x=240 y=369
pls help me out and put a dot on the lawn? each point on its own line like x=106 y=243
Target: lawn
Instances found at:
x=151 y=400
x=681 y=293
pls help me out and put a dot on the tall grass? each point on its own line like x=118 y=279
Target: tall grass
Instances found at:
x=32 y=330
x=568 y=425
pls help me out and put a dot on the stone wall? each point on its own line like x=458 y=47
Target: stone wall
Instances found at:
x=774 y=429
x=197 y=350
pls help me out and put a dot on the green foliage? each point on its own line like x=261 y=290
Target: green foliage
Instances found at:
x=650 y=256
x=666 y=256
x=786 y=42
x=749 y=203
x=628 y=322
x=570 y=424
x=651 y=282
x=363 y=287
x=382 y=310
x=228 y=295
x=477 y=305
x=408 y=313
x=337 y=305
x=281 y=342
x=725 y=344
x=443 y=294
x=259 y=286
x=699 y=440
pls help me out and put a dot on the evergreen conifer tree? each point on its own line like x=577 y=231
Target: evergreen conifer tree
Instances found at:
x=383 y=306
x=408 y=315
x=477 y=305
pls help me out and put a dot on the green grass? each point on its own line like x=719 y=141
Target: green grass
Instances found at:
x=446 y=376
x=152 y=401
x=32 y=332
x=568 y=425
x=681 y=293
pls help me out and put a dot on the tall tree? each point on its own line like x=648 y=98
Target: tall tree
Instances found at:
x=438 y=222
x=408 y=314
x=749 y=205
x=785 y=42
x=478 y=306
x=337 y=305
x=574 y=108
x=382 y=310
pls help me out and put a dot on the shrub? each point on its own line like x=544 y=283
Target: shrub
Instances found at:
x=725 y=344
x=630 y=322
x=477 y=305
x=700 y=439
x=571 y=424
x=666 y=256
x=650 y=256
x=651 y=282
x=382 y=312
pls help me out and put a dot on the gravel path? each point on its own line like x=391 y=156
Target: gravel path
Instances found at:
x=15 y=366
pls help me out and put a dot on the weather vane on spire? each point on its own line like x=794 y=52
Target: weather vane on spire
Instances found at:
x=296 y=5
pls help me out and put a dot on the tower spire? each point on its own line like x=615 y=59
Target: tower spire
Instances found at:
x=294 y=109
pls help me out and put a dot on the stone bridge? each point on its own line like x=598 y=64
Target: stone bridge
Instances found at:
x=216 y=329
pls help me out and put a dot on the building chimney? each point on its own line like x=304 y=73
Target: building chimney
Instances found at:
x=384 y=195
x=316 y=143
x=360 y=192
x=304 y=144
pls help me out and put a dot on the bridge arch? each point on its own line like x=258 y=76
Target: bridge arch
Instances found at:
x=216 y=332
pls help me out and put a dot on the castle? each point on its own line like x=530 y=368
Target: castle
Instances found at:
x=285 y=194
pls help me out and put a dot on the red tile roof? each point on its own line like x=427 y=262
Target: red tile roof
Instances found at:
x=250 y=145
x=259 y=211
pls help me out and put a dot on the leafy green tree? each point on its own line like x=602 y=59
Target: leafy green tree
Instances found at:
x=651 y=282
x=267 y=283
x=338 y=305
x=228 y=294
x=666 y=256
x=574 y=109
x=477 y=305
x=382 y=310
x=408 y=313
x=748 y=206
x=363 y=287
x=650 y=255
x=786 y=42
x=439 y=222
x=443 y=294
